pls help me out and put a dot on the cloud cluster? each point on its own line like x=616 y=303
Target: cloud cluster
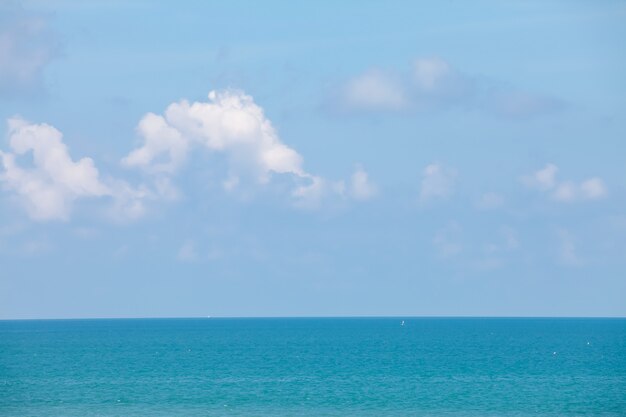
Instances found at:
x=545 y=180
x=433 y=83
x=230 y=123
x=27 y=45
x=49 y=188
x=50 y=185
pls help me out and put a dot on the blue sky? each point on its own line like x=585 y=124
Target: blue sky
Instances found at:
x=278 y=159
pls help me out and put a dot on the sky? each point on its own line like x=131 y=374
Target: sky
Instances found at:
x=242 y=158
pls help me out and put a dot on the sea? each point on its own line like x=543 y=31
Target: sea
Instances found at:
x=400 y=366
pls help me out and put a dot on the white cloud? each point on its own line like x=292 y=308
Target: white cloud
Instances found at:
x=159 y=138
x=27 y=45
x=543 y=179
x=50 y=185
x=130 y=203
x=314 y=190
x=231 y=123
x=373 y=90
x=593 y=188
x=310 y=195
x=567 y=249
x=434 y=83
x=430 y=73
x=590 y=189
x=437 y=183
x=490 y=201
x=565 y=191
x=361 y=188
x=55 y=181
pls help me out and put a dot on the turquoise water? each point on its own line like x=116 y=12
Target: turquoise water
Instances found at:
x=313 y=367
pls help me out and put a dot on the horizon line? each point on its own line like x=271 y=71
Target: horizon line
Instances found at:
x=315 y=317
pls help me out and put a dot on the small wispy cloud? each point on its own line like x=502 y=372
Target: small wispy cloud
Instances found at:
x=498 y=252
x=27 y=46
x=361 y=187
x=545 y=180
x=374 y=90
x=590 y=189
x=542 y=179
x=187 y=252
x=489 y=201
x=568 y=249
x=437 y=183
x=433 y=83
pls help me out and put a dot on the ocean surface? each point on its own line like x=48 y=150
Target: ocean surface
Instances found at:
x=314 y=367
